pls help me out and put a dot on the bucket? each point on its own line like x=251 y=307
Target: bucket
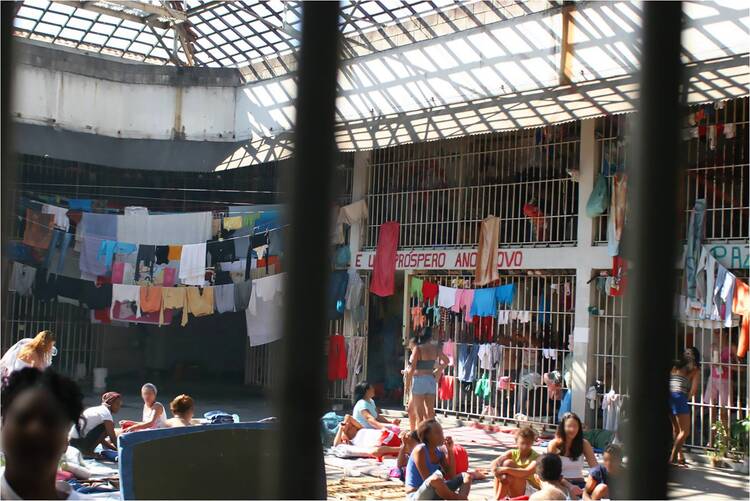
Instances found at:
x=100 y=378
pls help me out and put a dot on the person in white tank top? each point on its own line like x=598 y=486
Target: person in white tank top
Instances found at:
x=573 y=450
x=154 y=415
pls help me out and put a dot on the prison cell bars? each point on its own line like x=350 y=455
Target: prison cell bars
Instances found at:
x=440 y=190
x=519 y=356
x=719 y=174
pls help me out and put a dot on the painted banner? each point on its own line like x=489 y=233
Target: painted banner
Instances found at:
x=450 y=259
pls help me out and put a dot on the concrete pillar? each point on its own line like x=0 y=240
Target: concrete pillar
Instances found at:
x=580 y=344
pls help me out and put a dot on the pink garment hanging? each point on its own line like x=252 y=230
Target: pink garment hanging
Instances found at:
x=464 y=298
x=384 y=266
x=449 y=348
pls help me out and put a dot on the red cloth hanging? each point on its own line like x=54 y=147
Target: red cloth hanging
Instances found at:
x=430 y=291
x=337 y=368
x=384 y=267
x=619 y=275
x=445 y=387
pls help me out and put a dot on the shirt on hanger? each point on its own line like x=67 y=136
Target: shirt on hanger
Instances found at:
x=224 y=298
x=446 y=297
x=60 y=214
x=21 y=279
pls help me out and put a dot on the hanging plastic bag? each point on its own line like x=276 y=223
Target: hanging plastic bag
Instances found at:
x=599 y=199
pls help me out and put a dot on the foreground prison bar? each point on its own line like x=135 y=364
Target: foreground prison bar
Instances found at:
x=218 y=199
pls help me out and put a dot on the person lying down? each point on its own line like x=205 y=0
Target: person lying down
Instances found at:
x=354 y=440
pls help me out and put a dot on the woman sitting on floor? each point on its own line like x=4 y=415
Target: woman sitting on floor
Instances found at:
x=431 y=470
x=516 y=468
x=97 y=426
x=365 y=412
x=573 y=449
x=154 y=415
x=354 y=440
x=183 y=408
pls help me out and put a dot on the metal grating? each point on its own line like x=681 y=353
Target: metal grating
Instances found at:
x=609 y=360
x=528 y=348
x=78 y=343
x=717 y=170
x=440 y=191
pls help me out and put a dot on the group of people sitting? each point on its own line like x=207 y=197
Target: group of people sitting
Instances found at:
x=97 y=425
x=433 y=467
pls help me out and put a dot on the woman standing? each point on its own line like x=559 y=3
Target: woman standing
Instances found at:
x=572 y=448
x=154 y=415
x=683 y=386
x=36 y=353
x=426 y=365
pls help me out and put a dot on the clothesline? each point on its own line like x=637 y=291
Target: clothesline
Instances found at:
x=138 y=197
x=255 y=228
x=27 y=183
x=228 y=204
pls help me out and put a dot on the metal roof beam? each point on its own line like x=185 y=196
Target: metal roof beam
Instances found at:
x=151 y=9
x=151 y=20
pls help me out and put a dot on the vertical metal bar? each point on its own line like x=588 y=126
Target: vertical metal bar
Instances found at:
x=304 y=319
x=653 y=226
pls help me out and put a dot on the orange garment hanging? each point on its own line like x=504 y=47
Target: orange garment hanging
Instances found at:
x=489 y=236
x=741 y=306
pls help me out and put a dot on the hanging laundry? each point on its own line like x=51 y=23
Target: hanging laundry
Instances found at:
x=418 y=319
x=384 y=267
x=151 y=299
x=126 y=294
x=220 y=251
x=611 y=405
x=60 y=214
x=449 y=350
x=337 y=294
x=161 y=254
x=695 y=233
x=489 y=356
x=617 y=209
x=102 y=226
x=354 y=289
x=263 y=321
x=174 y=298
x=242 y=293
x=483 y=329
x=467 y=362
x=266 y=290
x=429 y=291
x=503 y=317
x=483 y=387
x=109 y=248
x=165 y=229
x=193 y=264
x=145 y=261
x=82 y=204
x=96 y=297
x=538 y=224
x=21 y=279
x=484 y=303
x=355 y=352
x=446 y=297
x=741 y=306
x=337 y=368
x=349 y=214
x=200 y=301
x=89 y=263
x=342 y=257
x=415 y=288
x=464 y=300
x=69 y=290
x=504 y=294
x=489 y=235
x=233 y=223
x=38 y=230
x=619 y=280
x=445 y=387
x=224 y=298
x=174 y=253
